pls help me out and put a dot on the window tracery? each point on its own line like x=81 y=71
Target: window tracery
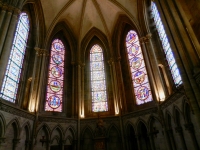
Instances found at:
x=13 y=71
x=138 y=70
x=98 y=82
x=166 y=45
x=54 y=95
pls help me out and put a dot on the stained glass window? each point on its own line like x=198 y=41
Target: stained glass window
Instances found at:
x=166 y=46
x=138 y=70
x=98 y=82
x=54 y=95
x=14 y=67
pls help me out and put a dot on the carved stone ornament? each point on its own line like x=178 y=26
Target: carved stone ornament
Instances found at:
x=100 y=130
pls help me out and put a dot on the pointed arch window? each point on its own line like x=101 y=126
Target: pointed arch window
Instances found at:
x=54 y=95
x=138 y=70
x=98 y=82
x=13 y=71
x=166 y=46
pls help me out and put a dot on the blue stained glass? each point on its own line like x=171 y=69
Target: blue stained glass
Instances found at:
x=98 y=84
x=13 y=71
x=166 y=46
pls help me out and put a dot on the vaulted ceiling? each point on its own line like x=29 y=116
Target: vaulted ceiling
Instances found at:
x=82 y=15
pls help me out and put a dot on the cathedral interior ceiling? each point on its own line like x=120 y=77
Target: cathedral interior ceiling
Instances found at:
x=82 y=15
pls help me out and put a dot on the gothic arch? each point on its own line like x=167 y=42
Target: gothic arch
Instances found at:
x=139 y=122
x=2 y=125
x=177 y=115
x=87 y=128
x=122 y=23
x=96 y=35
x=46 y=128
x=59 y=129
x=151 y=118
x=168 y=119
x=129 y=123
x=62 y=29
x=16 y=126
x=27 y=127
x=57 y=138
x=115 y=127
x=71 y=129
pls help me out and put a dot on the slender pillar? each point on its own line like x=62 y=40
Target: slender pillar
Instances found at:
x=2 y=14
x=15 y=143
x=190 y=128
x=116 y=104
x=5 y=26
x=150 y=135
x=138 y=137
x=7 y=43
x=149 y=68
x=160 y=84
x=171 y=137
x=180 y=133
x=73 y=90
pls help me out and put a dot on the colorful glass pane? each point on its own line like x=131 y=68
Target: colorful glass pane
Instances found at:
x=138 y=70
x=166 y=46
x=98 y=83
x=14 y=67
x=54 y=95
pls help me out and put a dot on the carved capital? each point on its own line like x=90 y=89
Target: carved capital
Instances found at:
x=41 y=52
x=146 y=38
x=111 y=61
x=16 y=11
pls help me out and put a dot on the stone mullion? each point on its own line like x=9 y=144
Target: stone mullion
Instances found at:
x=6 y=41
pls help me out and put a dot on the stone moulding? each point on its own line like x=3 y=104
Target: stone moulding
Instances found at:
x=16 y=111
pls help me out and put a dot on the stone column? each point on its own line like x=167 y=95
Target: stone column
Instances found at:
x=27 y=144
x=151 y=77
x=5 y=24
x=62 y=144
x=6 y=41
x=159 y=82
x=78 y=101
x=138 y=137
x=180 y=133
x=73 y=90
x=15 y=143
x=150 y=135
x=2 y=142
x=120 y=85
x=82 y=89
x=2 y=14
x=171 y=138
x=190 y=128
x=113 y=83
